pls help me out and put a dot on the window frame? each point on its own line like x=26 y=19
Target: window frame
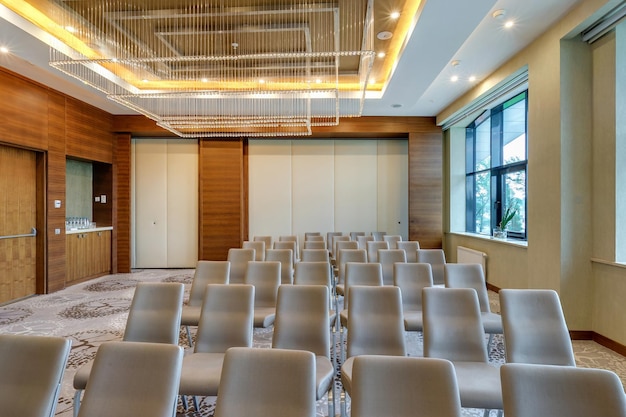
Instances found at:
x=497 y=169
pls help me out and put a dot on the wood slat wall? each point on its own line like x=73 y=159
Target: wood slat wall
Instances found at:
x=121 y=204
x=55 y=176
x=222 y=223
x=38 y=118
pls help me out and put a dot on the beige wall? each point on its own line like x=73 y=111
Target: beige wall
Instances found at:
x=571 y=203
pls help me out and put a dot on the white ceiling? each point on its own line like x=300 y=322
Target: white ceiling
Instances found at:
x=447 y=30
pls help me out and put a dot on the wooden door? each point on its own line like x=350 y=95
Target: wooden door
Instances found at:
x=18 y=192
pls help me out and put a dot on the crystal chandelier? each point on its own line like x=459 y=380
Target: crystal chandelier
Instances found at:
x=222 y=68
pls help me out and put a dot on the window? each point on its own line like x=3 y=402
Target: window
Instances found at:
x=496 y=165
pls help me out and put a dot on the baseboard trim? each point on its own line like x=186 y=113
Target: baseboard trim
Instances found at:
x=493 y=288
x=581 y=334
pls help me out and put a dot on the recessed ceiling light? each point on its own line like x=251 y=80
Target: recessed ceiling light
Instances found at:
x=384 y=35
x=205 y=80
x=318 y=81
x=261 y=81
x=4 y=49
x=70 y=29
x=472 y=78
x=395 y=15
x=455 y=63
x=454 y=78
x=144 y=80
x=372 y=81
x=381 y=54
x=509 y=24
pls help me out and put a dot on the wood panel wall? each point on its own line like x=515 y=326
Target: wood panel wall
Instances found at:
x=55 y=176
x=223 y=193
x=223 y=171
x=121 y=204
x=38 y=118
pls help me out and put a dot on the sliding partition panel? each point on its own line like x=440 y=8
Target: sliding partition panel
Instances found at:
x=356 y=185
x=393 y=185
x=313 y=186
x=270 y=187
x=302 y=185
x=165 y=203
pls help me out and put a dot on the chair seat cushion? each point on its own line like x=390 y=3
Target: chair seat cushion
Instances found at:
x=413 y=321
x=479 y=385
x=190 y=315
x=82 y=375
x=346 y=374
x=492 y=323
x=264 y=316
x=324 y=375
x=200 y=374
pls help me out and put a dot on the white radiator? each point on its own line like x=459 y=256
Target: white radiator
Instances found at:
x=471 y=256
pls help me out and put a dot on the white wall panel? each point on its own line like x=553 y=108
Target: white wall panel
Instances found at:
x=356 y=185
x=298 y=186
x=150 y=196
x=182 y=203
x=313 y=186
x=165 y=203
x=270 y=187
x=393 y=183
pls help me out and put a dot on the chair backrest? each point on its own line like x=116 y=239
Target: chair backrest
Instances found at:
x=534 y=327
x=410 y=247
x=288 y=244
x=375 y=322
x=348 y=255
x=362 y=241
x=468 y=276
x=379 y=236
x=315 y=255
x=258 y=246
x=133 y=379
x=387 y=258
x=155 y=312
x=396 y=386
x=411 y=278
x=267 y=383
x=31 y=370
x=285 y=257
x=312 y=273
x=345 y=244
x=207 y=272
x=373 y=247
x=265 y=277
x=313 y=236
x=239 y=259
x=314 y=244
x=291 y=238
x=266 y=239
x=355 y=235
x=392 y=240
x=530 y=390
x=340 y=238
x=330 y=236
x=436 y=258
x=453 y=327
x=302 y=319
x=226 y=319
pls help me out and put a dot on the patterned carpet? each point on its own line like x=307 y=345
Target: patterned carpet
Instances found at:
x=94 y=312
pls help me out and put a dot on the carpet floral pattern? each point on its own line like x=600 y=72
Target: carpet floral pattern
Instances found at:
x=94 y=312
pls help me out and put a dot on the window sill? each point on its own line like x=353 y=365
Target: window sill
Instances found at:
x=610 y=263
x=511 y=242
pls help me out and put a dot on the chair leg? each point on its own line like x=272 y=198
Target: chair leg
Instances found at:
x=189 y=339
x=331 y=401
x=342 y=403
x=77 y=395
x=183 y=400
x=195 y=404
